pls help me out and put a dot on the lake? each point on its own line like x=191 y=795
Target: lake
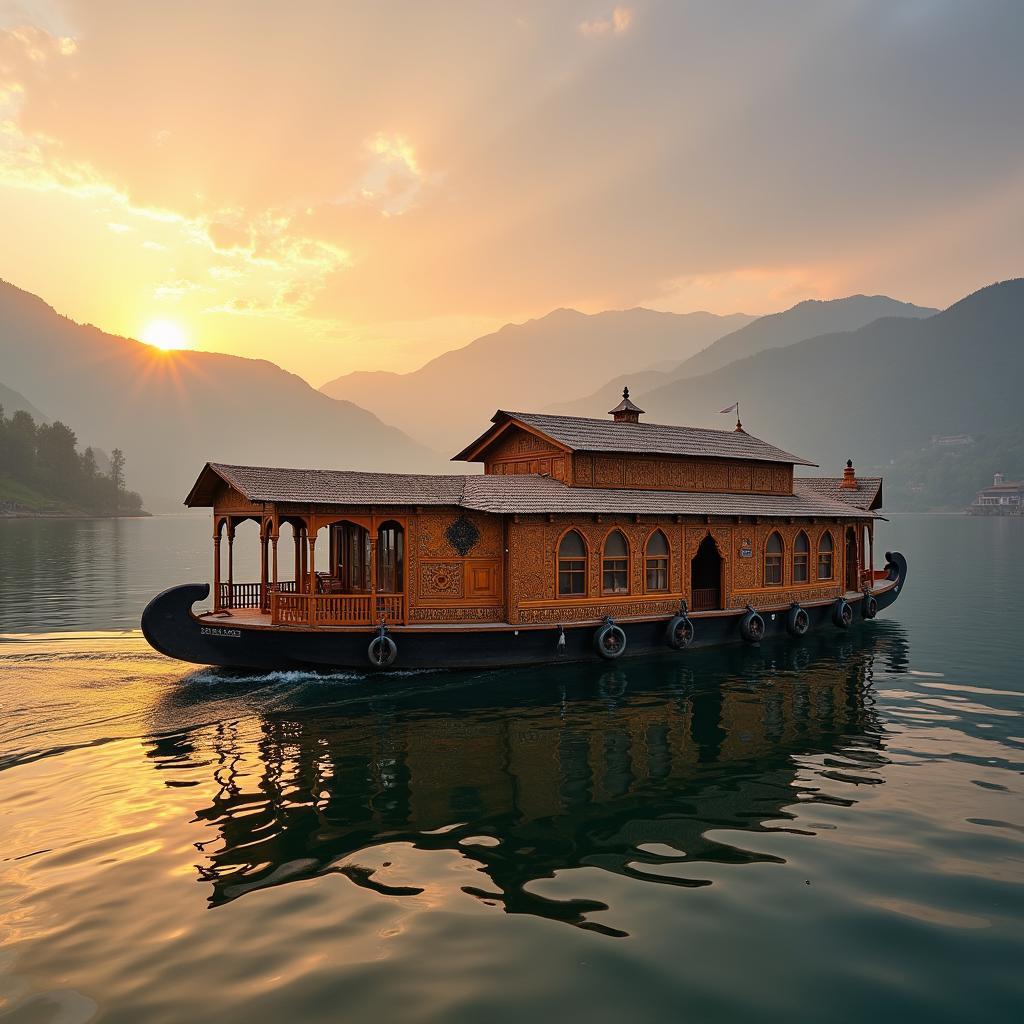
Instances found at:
x=825 y=829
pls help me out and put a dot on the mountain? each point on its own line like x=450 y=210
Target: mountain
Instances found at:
x=12 y=401
x=876 y=393
x=172 y=411
x=526 y=366
x=804 y=320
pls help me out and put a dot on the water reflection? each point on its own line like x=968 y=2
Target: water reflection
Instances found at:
x=650 y=769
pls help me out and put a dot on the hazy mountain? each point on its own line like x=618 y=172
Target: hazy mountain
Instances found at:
x=876 y=393
x=12 y=401
x=170 y=412
x=526 y=366
x=804 y=320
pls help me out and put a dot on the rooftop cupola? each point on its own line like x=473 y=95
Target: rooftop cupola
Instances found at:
x=997 y=480
x=625 y=411
x=849 y=477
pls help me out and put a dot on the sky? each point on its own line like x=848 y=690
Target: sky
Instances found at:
x=337 y=186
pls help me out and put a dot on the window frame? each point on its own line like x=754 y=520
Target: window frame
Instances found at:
x=831 y=557
x=623 y=569
x=666 y=558
x=777 y=559
x=806 y=557
x=585 y=592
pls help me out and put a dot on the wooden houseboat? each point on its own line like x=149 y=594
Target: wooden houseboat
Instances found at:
x=582 y=538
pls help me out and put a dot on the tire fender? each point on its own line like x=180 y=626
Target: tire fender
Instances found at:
x=679 y=633
x=610 y=641
x=797 y=620
x=752 y=626
x=842 y=613
x=382 y=651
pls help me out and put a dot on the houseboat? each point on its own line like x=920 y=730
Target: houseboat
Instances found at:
x=582 y=539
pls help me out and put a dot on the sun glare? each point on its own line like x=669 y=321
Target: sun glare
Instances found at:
x=164 y=335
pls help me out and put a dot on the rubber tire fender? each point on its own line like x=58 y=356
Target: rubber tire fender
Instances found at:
x=842 y=613
x=615 y=635
x=869 y=606
x=382 y=651
x=679 y=632
x=797 y=621
x=752 y=627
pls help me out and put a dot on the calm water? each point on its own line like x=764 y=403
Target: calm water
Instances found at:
x=824 y=830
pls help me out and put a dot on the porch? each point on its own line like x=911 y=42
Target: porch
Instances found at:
x=362 y=584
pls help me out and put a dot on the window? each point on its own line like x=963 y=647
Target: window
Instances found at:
x=825 y=556
x=773 y=561
x=572 y=565
x=657 y=562
x=390 y=557
x=801 y=558
x=615 y=564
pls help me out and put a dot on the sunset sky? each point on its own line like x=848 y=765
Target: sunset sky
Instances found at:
x=343 y=186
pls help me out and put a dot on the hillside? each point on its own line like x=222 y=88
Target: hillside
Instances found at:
x=804 y=320
x=562 y=355
x=172 y=411
x=875 y=394
x=12 y=401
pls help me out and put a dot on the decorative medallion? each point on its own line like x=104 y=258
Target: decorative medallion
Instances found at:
x=462 y=534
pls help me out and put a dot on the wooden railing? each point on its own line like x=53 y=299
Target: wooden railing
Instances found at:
x=705 y=599
x=239 y=595
x=336 y=609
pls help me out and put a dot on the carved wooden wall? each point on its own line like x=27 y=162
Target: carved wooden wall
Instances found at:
x=668 y=473
x=532 y=567
x=446 y=585
x=518 y=451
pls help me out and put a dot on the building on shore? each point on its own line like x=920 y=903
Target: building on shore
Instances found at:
x=1003 y=498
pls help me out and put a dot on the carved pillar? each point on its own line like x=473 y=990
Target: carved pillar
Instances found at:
x=264 y=573
x=216 y=564
x=312 y=563
x=231 y=563
x=297 y=540
x=373 y=576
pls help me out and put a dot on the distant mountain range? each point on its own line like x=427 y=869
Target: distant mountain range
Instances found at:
x=805 y=320
x=12 y=401
x=172 y=411
x=873 y=394
x=560 y=356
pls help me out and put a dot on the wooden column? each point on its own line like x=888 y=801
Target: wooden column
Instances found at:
x=871 y=542
x=264 y=573
x=231 y=562
x=297 y=574
x=216 y=564
x=312 y=564
x=373 y=576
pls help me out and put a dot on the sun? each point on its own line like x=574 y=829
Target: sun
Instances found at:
x=164 y=335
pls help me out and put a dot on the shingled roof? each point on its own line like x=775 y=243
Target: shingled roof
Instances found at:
x=523 y=495
x=581 y=434
x=866 y=494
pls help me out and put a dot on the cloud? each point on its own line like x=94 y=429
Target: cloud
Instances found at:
x=616 y=23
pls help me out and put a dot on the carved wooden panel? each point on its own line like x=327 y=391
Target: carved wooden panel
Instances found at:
x=608 y=471
x=482 y=580
x=761 y=478
x=440 y=579
x=740 y=478
x=583 y=469
x=642 y=473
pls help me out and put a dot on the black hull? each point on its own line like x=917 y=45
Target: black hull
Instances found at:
x=171 y=628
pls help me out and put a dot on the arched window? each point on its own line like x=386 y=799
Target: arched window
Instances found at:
x=657 y=562
x=615 y=564
x=572 y=566
x=825 y=549
x=390 y=558
x=801 y=558
x=773 y=561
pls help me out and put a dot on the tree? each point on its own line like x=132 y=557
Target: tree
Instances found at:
x=117 y=461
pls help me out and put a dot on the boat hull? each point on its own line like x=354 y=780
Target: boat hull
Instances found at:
x=171 y=628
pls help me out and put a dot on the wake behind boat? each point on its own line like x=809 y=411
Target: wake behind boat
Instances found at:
x=582 y=539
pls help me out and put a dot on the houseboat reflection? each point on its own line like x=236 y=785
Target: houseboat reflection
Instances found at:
x=647 y=769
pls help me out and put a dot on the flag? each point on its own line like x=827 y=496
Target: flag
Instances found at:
x=732 y=408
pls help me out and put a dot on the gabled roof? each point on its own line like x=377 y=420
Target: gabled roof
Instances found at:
x=325 y=486
x=580 y=434
x=509 y=495
x=867 y=494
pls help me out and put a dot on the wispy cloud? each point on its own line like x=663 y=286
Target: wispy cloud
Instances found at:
x=615 y=23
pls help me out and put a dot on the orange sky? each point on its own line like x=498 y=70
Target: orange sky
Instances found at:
x=338 y=186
